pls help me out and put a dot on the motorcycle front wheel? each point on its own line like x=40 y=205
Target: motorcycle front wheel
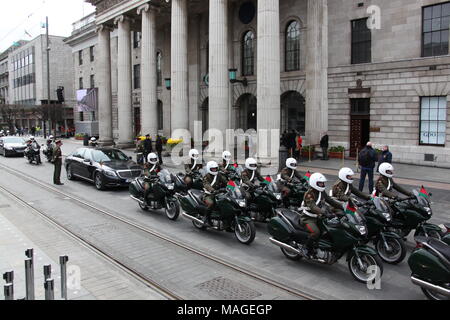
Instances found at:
x=397 y=251
x=172 y=209
x=363 y=273
x=246 y=233
x=432 y=295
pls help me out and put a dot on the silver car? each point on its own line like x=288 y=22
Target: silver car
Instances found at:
x=12 y=146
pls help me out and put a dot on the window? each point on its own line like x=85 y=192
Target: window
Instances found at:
x=361 y=42
x=436 y=20
x=137 y=36
x=81 y=116
x=92 y=80
x=433 y=120
x=91 y=53
x=293 y=46
x=80 y=83
x=137 y=76
x=248 y=54
x=80 y=57
x=159 y=69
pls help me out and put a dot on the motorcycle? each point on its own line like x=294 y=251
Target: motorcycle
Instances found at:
x=339 y=236
x=390 y=246
x=430 y=268
x=162 y=196
x=295 y=197
x=412 y=213
x=265 y=200
x=197 y=179
x=227 y=216
x=47 y=151
x=32 y=153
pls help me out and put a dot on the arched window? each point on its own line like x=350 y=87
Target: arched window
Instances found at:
x=293 y=46
x=158 y=69
x=248 y=54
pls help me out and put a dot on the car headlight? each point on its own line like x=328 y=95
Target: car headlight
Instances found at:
x=242 y=203
x=387 y=216
x=362 y=230
x=110 y=173
x=8 y=148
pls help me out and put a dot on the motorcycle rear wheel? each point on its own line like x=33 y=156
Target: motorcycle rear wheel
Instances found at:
x=398 y=252
x=368 y=260
x=291 y=255
x=248 y=233
x=431 y=295
x=199 y=225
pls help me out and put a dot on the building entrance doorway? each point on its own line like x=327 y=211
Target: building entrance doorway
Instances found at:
x=247 y=115
x=359 y=125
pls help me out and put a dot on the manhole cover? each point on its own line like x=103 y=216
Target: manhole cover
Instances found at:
x=226 y=289
x=4 y=206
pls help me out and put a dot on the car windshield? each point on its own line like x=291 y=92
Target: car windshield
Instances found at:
x=108 y=155
x=422 y=200
x=14 y=140
x=165 y=176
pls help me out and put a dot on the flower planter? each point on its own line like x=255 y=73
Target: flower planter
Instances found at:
x=79 y=138
x=305 y=155
x=335 y=155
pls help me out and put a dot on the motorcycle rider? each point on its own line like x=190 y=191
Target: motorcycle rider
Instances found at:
x=249 y=177
x=50 y=146
x=193 y=167
x=93 y=142
x=343 y=188
x=213 y=181
x=314 y=207
x=289 y=175
x=151 y=170
x=226 y=163
x=385 y=183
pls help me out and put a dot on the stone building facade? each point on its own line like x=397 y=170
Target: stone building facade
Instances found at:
x=371 y=70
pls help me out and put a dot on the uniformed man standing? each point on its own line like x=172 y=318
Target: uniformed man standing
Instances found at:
x=57 y=161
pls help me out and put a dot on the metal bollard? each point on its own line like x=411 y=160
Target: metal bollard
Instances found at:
x=8 y=277
x=29 y=279
x=63 y=263
x=49 y=287
x=9 y=291
x=47 y=271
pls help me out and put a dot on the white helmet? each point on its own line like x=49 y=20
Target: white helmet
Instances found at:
x=51 y=137
x=317 y=181
x=32 y=138
x=291 y=163
x=193 y=154
x=226 y=155
x=387 y=170
x=213 y=168
x=93 y=139
x=346 y=175
x=251 y=164
x=152 y=158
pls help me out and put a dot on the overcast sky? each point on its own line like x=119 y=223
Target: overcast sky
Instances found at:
x=19 y=17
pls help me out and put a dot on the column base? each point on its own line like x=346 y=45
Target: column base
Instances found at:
x=125 y=145
x=106 y=142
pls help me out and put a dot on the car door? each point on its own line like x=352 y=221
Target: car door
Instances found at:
x=87 y=164
x=76 y=161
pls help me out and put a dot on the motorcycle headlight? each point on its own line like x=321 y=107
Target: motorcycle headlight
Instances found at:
x=428 y=210
x=278 y=196
x=387 y=216
x=242 y=203
x=170 y=186
x=110 y=173
x=362 y=230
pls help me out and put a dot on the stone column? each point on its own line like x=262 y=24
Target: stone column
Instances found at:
x=317 y=71
x=124 y=97
x=218 y=65
x=179 y=70
x=103 y=67
x=149 y=88
x=268 y=76
x=194 y=68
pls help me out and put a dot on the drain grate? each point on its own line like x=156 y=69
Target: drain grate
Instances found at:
x=2 y=206
x=226 y=289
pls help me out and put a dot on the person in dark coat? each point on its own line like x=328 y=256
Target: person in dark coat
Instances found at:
x=148 y=146
x=324 y=144
x=159 y=148
x=367 y=159
x=385 y=156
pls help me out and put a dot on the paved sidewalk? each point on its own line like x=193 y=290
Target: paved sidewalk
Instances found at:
x=20 y=229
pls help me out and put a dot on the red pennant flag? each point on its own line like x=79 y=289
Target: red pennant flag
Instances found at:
x=424 y=193
x=307 y=176
x=268 y=180
x=235 y=165
x=350 y=209
x=231 y=185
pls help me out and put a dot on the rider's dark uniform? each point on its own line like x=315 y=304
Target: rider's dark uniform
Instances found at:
x=343 y=190
x=385 y=185
x=249 y=177
x=150 y=171
x=211 y=184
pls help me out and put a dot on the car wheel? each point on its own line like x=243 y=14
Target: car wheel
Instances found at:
x=70 y=173
x=99 y=184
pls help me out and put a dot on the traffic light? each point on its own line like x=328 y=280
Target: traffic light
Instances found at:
x=60 y=94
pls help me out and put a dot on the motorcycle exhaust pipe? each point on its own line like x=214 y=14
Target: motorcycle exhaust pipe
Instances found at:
x=136 y=199
x=284 y=246
x=431 y=287
x=192 y=218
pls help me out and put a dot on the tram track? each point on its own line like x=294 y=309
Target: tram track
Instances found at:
x=149 y=282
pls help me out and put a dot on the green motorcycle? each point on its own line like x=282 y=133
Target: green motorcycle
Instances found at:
x=265 y=200
x=295 y=197
x=228 y=215
x=430 y=267
x=339 y=236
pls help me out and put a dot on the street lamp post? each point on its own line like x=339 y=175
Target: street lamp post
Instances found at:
x=233 y=78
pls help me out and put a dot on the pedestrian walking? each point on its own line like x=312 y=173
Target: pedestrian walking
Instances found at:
x=299 y=141
x=159 y=148
x=385 y=156
x=57 y=161
x=324 y=144
x=292 y=137
x=367 y=159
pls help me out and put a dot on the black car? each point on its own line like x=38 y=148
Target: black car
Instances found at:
x=12 y=146
x=104 y=167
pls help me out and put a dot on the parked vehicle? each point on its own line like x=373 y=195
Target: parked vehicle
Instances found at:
x=162 y=196
x=104 y=167
x=430 y=267
x=12 y=146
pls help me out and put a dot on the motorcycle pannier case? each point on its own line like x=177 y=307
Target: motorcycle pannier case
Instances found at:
x=136 y=189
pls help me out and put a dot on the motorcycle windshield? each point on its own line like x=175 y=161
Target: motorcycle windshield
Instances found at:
x=355 y=218
x=273 y=187
x=165 y=176
x=421 y=200
x=380 y=205
x=236 y=193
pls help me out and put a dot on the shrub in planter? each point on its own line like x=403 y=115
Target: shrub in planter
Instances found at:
x=336 y=152
x=306 y=150
x=79 y=136
x=172 y=143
